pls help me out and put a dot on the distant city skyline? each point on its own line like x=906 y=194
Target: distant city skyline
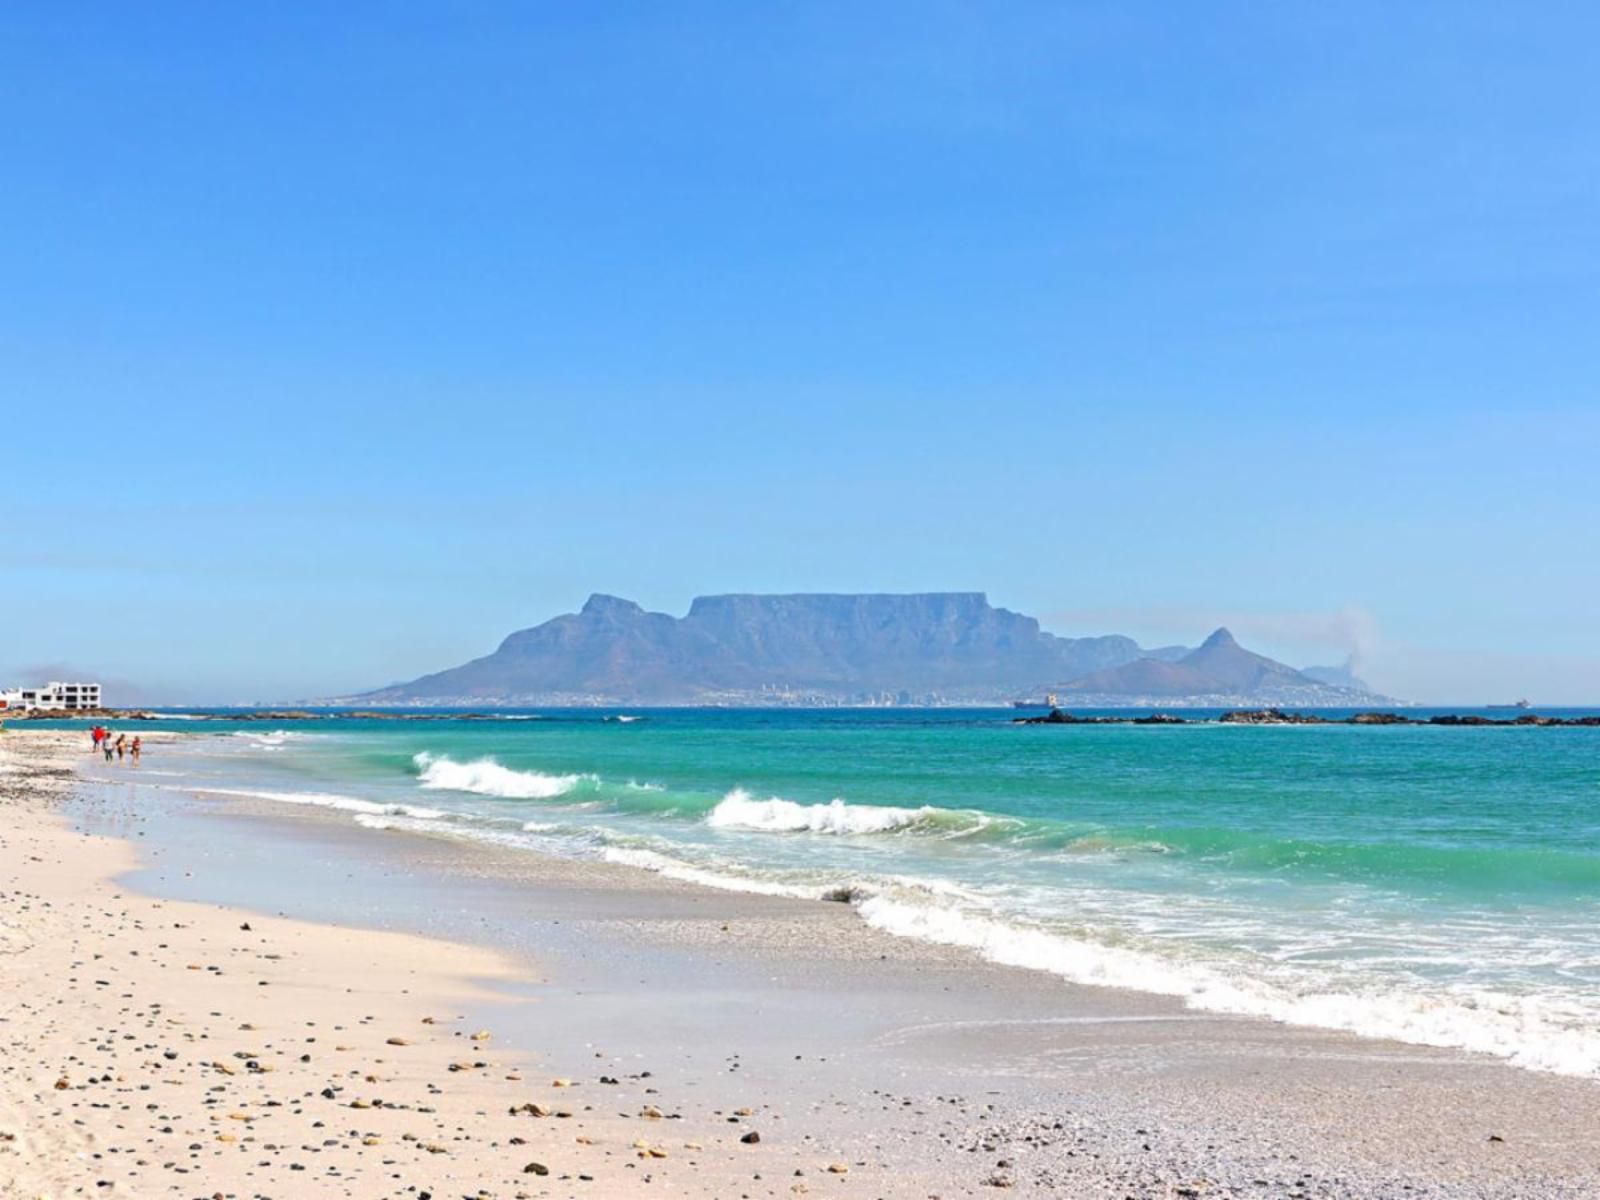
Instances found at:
x=340 y=343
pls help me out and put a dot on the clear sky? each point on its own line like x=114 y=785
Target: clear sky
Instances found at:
x=337 y=341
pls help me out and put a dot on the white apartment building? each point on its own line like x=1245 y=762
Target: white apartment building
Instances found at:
x=52 y=697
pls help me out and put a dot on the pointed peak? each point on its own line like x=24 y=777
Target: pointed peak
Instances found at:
x=601 y=604
x=1220 y=638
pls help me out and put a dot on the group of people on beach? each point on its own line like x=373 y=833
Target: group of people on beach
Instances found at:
x=101 y=737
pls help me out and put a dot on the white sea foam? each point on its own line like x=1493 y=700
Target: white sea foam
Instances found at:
x=1530 y=1031
x=1537 y=1032
x=740 y=810
x=485 y=777
x=352 y=804
x=672 y=868
x=626 y=720
x=272 y=739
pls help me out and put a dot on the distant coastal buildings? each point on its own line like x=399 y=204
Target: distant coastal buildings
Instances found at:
x=51 y=697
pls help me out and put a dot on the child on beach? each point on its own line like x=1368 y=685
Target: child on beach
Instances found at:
x=122 y=739
x=134 y=750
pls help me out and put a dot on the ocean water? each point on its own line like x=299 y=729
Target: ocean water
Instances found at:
x=1436 y=885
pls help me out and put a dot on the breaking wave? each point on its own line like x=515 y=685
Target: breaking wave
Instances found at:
x=740 y=810
x=485 y=777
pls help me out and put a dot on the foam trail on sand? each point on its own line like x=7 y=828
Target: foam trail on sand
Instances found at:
x=673 y=868
x=1525 y=1030
x=485 y=777
x=327 y=800
x=1510 y=1027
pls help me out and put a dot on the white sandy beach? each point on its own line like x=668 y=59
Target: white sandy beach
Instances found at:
x=161 y=1048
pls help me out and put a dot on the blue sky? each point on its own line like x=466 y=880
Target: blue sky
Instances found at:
x=338 y=341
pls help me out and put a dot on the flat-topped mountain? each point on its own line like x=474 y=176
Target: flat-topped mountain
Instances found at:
x=933 y=647
x=841 y=646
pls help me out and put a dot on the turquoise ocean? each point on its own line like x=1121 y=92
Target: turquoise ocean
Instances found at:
x=1435 y=885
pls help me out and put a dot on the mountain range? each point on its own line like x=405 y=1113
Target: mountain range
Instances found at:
x=926 y=648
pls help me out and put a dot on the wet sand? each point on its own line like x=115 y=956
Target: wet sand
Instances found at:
x=920 y=1071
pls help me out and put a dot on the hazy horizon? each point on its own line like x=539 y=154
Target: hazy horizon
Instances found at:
x=1348 y=637
x=341 y=343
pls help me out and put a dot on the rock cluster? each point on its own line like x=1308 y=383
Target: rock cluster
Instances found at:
x=1278 y=716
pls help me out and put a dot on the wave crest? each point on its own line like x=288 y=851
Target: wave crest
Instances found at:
x=740 y=810
x=485 y=777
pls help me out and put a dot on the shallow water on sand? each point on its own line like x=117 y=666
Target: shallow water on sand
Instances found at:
x=1440 y=886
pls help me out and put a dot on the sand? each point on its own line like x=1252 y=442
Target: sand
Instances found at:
x=156 y=1048
x=302 y=1038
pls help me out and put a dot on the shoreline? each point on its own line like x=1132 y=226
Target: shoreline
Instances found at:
x=1000 y=1076
x=142 y=1057
x=1152 y=715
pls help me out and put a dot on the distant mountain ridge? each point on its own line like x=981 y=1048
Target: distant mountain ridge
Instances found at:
x=919 y=648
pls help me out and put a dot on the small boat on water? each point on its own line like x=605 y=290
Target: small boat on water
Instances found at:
x=1520 y=704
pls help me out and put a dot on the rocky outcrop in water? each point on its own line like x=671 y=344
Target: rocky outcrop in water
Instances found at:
x=1277 y=716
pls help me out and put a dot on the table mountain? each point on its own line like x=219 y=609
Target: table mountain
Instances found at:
x=934 y=647
x=736 y=647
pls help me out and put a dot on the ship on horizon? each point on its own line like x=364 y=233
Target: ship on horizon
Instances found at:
x=1048 y=702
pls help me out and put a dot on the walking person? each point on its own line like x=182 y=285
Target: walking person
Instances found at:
x=134 y=749
x=105 y=744
x=96 y=736
x=122 y=740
